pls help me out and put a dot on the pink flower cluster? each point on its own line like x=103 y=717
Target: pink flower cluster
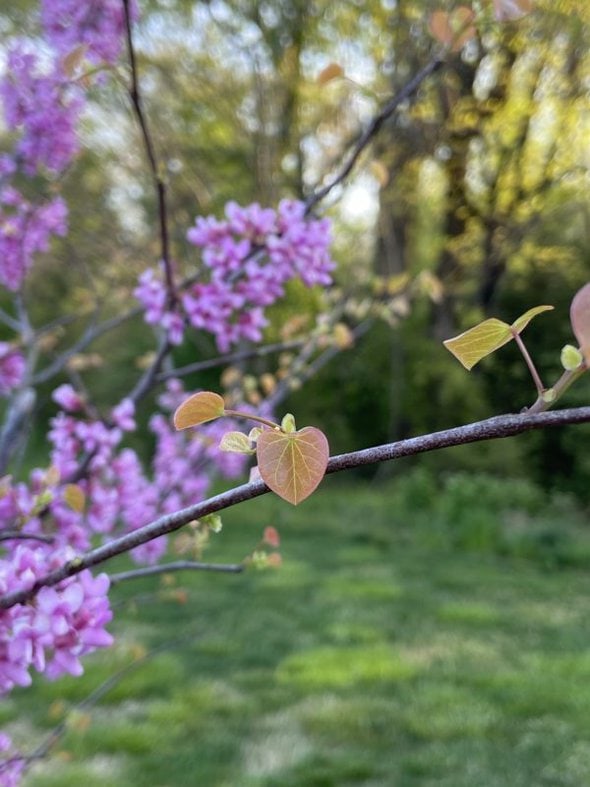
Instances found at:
x=25 y=230
x=98 y=25
x=12 y=763
x=44 y=108
x=42 y=105
x=118 y=494
x=12 y=368
x=152 y=294
x=250 y=256
x=62 y=624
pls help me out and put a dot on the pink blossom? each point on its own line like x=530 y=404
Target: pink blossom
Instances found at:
x=68 y=398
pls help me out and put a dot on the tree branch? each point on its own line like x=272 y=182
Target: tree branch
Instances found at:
x=159 y=184
x=178 y=565
x=490 y=429
x=371 y=131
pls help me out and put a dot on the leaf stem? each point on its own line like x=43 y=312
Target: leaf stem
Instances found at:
x=260 y=419
x=529 y=362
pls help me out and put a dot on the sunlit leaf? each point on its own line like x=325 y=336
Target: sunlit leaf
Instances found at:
x=453 y=29
x=293 y=464
x=521 y=323
x=380 y=172
x=74 y=497
x=473 y=345
x=505 y=10
x=237 y=442
x=330 y=72
x=73 y=59
x=580 y=319
x=199 y=408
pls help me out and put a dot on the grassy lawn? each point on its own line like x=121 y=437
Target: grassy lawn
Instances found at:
x=418 y=633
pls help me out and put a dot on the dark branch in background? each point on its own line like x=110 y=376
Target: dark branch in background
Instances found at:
x=237 y=357
x=490 y=429
x=178 y=565
x=373 y=128
x=303 y=371
x=16 y=420
x=159 y=184
x=16 y=535
x=92 y=332
x=43 y=749
x=147 y=380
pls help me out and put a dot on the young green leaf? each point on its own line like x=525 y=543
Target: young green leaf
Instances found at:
x=198 y=409
x=580 y=319
x=571 y=357
x=521 y=323
x=288 y=423
x=236 y=442
x=74 y=497
x=474 y=344
x=293 y=464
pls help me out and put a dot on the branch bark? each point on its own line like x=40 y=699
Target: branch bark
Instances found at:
x=490 y=429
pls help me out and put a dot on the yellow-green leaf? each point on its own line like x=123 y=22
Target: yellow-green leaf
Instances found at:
x=471 y=346
x=74 y=497
x=293 y=464
x=237 y=442
x=521 y=323
x=198 y=409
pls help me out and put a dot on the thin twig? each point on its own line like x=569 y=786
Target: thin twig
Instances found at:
x=178 y=565
x=92 y=332
x=147 y=380
x=43 y=749
x=17 y=535
x=230 y=358
x=490 y=429
x=160 y=186
x=373 y=128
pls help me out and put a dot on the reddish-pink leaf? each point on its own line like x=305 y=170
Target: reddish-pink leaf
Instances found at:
x=292 y=464
x=512 y=9
x=453 y=29
x=198 y=409
x=271 y=537
x=330 y=72
x=580 y=319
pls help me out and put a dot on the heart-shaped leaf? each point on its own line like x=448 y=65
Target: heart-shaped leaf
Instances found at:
x=293 y=464
x=580 y=319
x=198 y=409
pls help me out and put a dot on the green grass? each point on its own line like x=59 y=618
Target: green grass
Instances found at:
x=394 y=647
